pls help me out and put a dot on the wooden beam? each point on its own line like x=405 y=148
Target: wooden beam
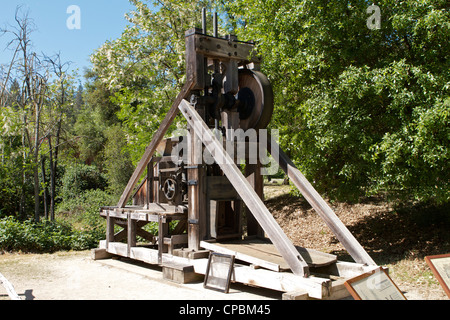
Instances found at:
x=109 y=228
x=131 y=233
x=165 y=124
x=196 y=193
x=280 y=281
x=322 y=208
x=9 y=288
x=245 y=190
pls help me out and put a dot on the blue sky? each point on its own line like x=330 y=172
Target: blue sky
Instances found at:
x=101 y=20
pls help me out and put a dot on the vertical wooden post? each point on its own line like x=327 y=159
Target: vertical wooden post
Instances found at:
x=131 y=233
x=254 y=177
x=150 y=183
x=163 y=231
x=196 y=193
x=109 y=229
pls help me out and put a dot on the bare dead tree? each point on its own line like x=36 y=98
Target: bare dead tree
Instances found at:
x=33 y=87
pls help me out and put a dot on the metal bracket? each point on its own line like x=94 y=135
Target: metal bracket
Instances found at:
x=193 y=221
x=192 y=182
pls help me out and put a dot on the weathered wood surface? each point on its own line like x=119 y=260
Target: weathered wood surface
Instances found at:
x=9 y=288
x=245 y=190
x=281 y=281
x=157 y=138
x=318 y=203
x=264 y=254
x=197 y=209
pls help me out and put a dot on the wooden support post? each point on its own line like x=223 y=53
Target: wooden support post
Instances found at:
x=254 y=177
x=322 y=208
x=245 y=190
x=109 y=229
x=150 y=188
x=197 y=209
x=131 y=233
x=161 y=233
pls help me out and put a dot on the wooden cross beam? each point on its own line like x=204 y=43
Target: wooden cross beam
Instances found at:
x=248 y=194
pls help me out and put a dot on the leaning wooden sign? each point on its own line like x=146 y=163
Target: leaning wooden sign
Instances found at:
x=440 y=265
x=374 y=285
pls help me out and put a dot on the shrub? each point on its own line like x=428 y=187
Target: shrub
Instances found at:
x=80 y=178
x=45 y=236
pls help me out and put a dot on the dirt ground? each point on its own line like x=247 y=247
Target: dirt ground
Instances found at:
x=395 y=239
x=75 y=276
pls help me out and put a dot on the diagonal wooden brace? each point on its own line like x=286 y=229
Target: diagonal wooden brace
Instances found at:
x=320 y=206
x=249 y=196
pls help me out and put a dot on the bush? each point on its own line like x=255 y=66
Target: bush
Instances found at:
x=80 y=178
x=46 y=236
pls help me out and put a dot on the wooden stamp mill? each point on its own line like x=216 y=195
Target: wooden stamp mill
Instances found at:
x=199 y=193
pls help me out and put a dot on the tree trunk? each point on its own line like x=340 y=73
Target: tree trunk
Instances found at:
x=45 y=195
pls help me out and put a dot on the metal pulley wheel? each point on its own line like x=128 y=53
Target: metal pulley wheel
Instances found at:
x=170 y=188
x=255 y=98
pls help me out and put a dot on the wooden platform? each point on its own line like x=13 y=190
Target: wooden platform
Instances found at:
x=320 y=286
x=263 y=254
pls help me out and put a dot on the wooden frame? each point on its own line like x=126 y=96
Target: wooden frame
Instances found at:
x=219 y=282
x=374 y=285
x=440 y=266
x=245 y=190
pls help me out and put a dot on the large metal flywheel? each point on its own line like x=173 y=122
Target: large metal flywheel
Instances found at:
x=255 y=98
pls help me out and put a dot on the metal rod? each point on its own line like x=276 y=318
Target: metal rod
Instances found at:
x=204 y=20
x=215 y=25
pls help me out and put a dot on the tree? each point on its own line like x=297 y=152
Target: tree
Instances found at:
x=144 y=68
x=367 y=109
x=33 y=109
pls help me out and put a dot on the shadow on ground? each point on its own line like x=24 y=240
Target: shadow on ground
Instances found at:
x=387 y=234
x=409 y=231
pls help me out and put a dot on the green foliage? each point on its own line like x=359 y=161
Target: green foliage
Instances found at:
x=83 y=211
x=80 y=178
x=144 y=68
x=46 y=236
x=367 y=109
x=117 y=161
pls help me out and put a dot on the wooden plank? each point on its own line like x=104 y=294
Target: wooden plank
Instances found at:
x=254 y=177
x=281 y=281
x=159 y=135
x=9 y=288
x=224 y=49
x=244 y=254
x=245 y=190
x=264 y=254
x=220 y=188
x=322 y=208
